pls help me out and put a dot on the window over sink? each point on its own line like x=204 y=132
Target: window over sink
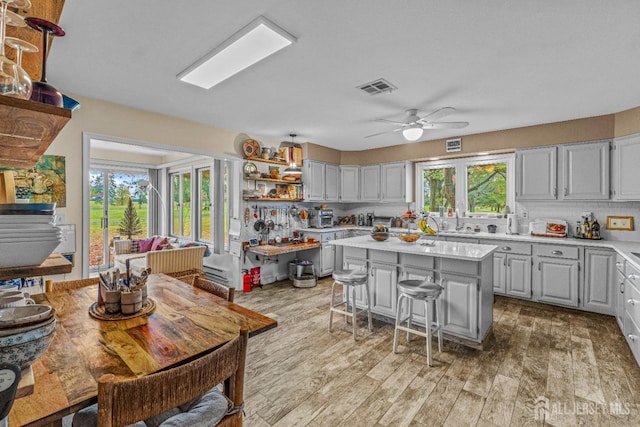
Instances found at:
x=472 y=185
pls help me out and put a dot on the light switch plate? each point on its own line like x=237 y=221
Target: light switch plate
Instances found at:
x=620 y=223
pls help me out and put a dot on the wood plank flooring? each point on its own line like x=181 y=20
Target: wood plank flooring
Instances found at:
x=576 y=364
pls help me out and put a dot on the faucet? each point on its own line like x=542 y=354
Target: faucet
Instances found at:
x=458 y=226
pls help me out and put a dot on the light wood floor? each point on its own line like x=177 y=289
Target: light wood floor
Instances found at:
x=300 y=374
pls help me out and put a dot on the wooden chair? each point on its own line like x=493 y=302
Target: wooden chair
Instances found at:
x=52 y=286
x=121 y=403
x=187 y=276
x=214 y=288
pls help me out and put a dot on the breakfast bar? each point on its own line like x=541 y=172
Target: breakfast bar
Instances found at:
x=465 y=271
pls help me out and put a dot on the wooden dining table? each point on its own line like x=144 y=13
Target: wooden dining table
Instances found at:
x=186 y=323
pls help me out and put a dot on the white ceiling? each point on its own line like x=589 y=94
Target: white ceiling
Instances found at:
x=501 y=64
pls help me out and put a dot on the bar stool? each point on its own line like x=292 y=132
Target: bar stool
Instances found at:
x=419 y=290
x=350 y=280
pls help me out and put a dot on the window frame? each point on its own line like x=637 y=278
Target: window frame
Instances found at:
x=461 y=165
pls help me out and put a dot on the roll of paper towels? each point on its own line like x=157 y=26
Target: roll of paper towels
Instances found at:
x=512 y=224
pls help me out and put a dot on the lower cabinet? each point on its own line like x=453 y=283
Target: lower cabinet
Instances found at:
x=599 y=281
x=327 y=260
x=414 y=273
x=382 y=285
x=619 y=291
x=518 y=275
x=355 y=259
x=556 y=281
x=460 y=305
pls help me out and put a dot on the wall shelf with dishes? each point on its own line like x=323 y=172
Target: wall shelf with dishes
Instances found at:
x=269 y=183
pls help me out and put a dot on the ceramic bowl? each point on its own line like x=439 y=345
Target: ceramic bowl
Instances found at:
x=43 y=329
x=25 y=353
x=27 y=328
x=409 y=237
x=380 y=236
x=25 y=253
x=23 y=316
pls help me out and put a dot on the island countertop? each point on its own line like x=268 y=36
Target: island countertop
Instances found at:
x=454 y=250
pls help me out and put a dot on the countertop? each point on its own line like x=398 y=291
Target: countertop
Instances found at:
x=455 y=250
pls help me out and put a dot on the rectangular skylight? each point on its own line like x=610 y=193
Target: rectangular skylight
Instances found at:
x=251 y=44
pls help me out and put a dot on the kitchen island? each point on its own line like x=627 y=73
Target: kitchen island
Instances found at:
x=465 y=271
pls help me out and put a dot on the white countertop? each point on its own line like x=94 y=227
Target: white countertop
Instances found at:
x=462 y=251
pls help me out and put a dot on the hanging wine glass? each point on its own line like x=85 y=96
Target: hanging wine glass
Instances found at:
x=24 y=81
x=9 y=71
x=43 y=91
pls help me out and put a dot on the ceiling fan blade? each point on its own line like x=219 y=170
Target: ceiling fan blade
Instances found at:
x=382 y=133
x=445 y=125
x=438 y=114
x=389 y=121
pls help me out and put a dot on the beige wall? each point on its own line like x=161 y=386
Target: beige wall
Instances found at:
x=627 y=122
x=590 y=129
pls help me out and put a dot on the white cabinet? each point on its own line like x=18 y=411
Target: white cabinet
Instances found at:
x=619 y=291
x=321 y=182
x=324 y=258
x=582 y=171
x=625 y=169
x=370 y=183
x=383 y=278
x=585 y=171
x=511 y=268
x=632 y=310
x=460 y=305
x=536 y=174
x=349 y=183
x=356 y=259
x=314 y=181
x=599 y=281
x=397 y=183
x=555 y=277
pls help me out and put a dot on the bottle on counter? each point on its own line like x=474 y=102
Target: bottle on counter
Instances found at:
x=579 y=228
x=595 y=230
x=586 y=228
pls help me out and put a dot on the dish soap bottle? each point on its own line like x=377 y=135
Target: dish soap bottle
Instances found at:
x=595 y=230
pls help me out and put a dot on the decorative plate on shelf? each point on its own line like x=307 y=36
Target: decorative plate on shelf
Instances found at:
x=250 y=167
x=251 y=148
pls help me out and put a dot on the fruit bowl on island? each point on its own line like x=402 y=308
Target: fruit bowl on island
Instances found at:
x=380 y=233
x=409 y=237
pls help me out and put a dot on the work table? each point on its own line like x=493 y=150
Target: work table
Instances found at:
x=273 y=250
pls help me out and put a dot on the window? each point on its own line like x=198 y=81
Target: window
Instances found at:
x=203 y=217
x=181 y=204
x=477 y=185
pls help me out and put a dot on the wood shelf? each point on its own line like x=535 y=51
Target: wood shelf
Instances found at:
x=55 y=264
x=273 y=162
x=27 y=128
x=279 y=181
x=271 y=199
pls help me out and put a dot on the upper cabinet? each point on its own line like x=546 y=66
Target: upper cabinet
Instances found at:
x=349 y=183
x=370 y=183
x=27 y=128
x=536 y=174
x=567 y=172
x=625 y=171
x=321 y=182
x=585 y=171
x=396 y=182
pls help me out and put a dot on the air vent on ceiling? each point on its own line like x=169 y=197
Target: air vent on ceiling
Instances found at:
x=377 y=86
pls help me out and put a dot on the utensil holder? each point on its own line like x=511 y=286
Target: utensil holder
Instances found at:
x=111 y=302
x=131 y=302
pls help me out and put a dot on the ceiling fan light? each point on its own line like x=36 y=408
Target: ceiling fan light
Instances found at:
x=412 y=133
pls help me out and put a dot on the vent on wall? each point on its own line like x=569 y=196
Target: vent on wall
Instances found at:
x=377 y=86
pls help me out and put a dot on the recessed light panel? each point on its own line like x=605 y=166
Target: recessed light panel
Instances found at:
x=256 y=41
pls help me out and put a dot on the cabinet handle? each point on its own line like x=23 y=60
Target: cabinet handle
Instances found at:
x=618 y=264
x=556 y=252
x=622 y=287
x=631 y=301
x=506 y=248
x=632 y=276
x=565 y=191
x=631 y=337
x=555 y=192
x=505 y=261
x=538 y=266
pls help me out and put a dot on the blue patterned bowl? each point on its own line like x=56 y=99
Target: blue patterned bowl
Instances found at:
x=25 y=353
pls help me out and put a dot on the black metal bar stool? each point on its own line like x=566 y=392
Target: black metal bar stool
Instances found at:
x=350 y=280
x=419 y=290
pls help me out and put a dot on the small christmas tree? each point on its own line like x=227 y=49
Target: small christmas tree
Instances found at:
x=130 y=223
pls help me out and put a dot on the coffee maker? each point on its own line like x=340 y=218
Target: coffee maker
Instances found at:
x=369 y=219
x=361 y=221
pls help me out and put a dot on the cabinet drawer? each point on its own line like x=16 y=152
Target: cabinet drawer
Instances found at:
x=633 y=275
x=418 y=261
x=632 y=334
x=355 y=253
x=620 y=263
x=557 y=251
x=327 y=237
x=510 y=247
x=384 y=257
x=459 y=266
x=632 y=302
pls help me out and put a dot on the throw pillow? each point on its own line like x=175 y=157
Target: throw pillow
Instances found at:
x=158 y=243
x=145 y=245
x=135 y=246
x=207 y=252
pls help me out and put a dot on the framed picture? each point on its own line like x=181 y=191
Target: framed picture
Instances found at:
x=262 y=187
x=620 y=223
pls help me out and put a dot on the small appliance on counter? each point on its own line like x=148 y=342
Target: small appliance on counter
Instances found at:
x=361 y=221
x=548 y=228
x=321 y=218
x=512 y=224
x=369 y=220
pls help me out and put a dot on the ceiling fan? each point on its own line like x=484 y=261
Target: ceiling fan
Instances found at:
x=413 y=126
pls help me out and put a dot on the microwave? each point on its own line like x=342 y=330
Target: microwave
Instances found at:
x=321 y=218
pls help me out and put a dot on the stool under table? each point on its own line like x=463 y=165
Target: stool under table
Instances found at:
x=350 y=280
x=429 y=293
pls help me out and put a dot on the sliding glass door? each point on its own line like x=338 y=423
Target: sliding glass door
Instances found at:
x=109 y=195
